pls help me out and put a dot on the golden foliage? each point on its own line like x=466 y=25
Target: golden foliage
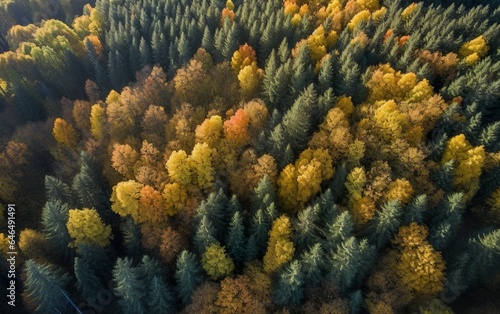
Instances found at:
x=64 y=133
x=97 y=121
x=86 y=227
x=34 y=245
x=123 y=160
x=125 y=198
x=175 y=197
x=469 y=162
x=420 y=266
x=216 y=263
x=473 y=50
x=399 y=189
x=299 y=182
x=280 y=247
x=235 y=296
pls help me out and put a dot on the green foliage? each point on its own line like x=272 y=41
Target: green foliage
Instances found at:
x=188 y=275
x=128 y=287
x=45 y=287
x=290 y=286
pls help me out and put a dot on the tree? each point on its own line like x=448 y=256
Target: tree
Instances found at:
x=235 y=239
x=64 y=133
x=188 y=276
x=350 y=262
x=313 y=264
x=88 y=187
x=125 y=198
x=86 y=227
x=129 y=286
x=385 y=223
x=205 y=235
x=290 y=287
x=300 y=181
x=159 y=294
x=97 y=121
x=280 y=248
x=45 y=287
x=54 y=218
x=419 y=266
x=87 y=281
x=235 y=295
x=216 y=263
x=123 y=159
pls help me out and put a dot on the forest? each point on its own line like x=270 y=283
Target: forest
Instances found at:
x=246 y=156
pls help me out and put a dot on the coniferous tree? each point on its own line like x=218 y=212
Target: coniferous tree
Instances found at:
x=290 y=285
x=313 y=265
x=338 y=230
x=305 y=228
x=385 y=222
x=159 y=294
x=129 y=286
x=205 y=235
x=56 y=190
x=87 y=281
x=445 y=224
x=188 y=275
x=45 y=287
x=235 y=239
x=259 y=227
x=54 y=218
x=88 y=187
x=132 y=239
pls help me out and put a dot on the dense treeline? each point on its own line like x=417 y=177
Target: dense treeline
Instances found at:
x=253 y=156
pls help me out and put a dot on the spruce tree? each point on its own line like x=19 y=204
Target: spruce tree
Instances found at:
x=87 y=281
x=188 y=276
x=313 y=265
x=54 y=218
x=305 y=228
x=56 y=190
x=290 y=286
x=129 y=287
x=385 y=222
x=44 y=286
x=444 y=226
x=235 y=239
x=205 y=235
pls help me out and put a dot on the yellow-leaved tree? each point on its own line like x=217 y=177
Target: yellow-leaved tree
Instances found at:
x=86 y=227
x=64 y=133
x=216 y=263
x=473 y=50
x=468 y=163
x=125 y=199
x=420 y=267
x=280 y=247
x=299 y=182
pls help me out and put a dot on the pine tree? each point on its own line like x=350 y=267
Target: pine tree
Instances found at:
x=290 y=286
x=325 y=75
x=264 y=194
x=338 y=230
x=350 y=262
x=145 y=54
x=259 y=227
x=132 y=239
x=129 y=286
x=305 y=228
x=45 y=288
x=444 y=226
x=205 y=235
x=159 y=294
x=313 y=265
x=415 y=210
x=297 y=121
x=88 y=187
x=235 y=239
x=188 y=276
x=56 y=190
x=87 y=281
x=54 y=218
x=385 y=222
